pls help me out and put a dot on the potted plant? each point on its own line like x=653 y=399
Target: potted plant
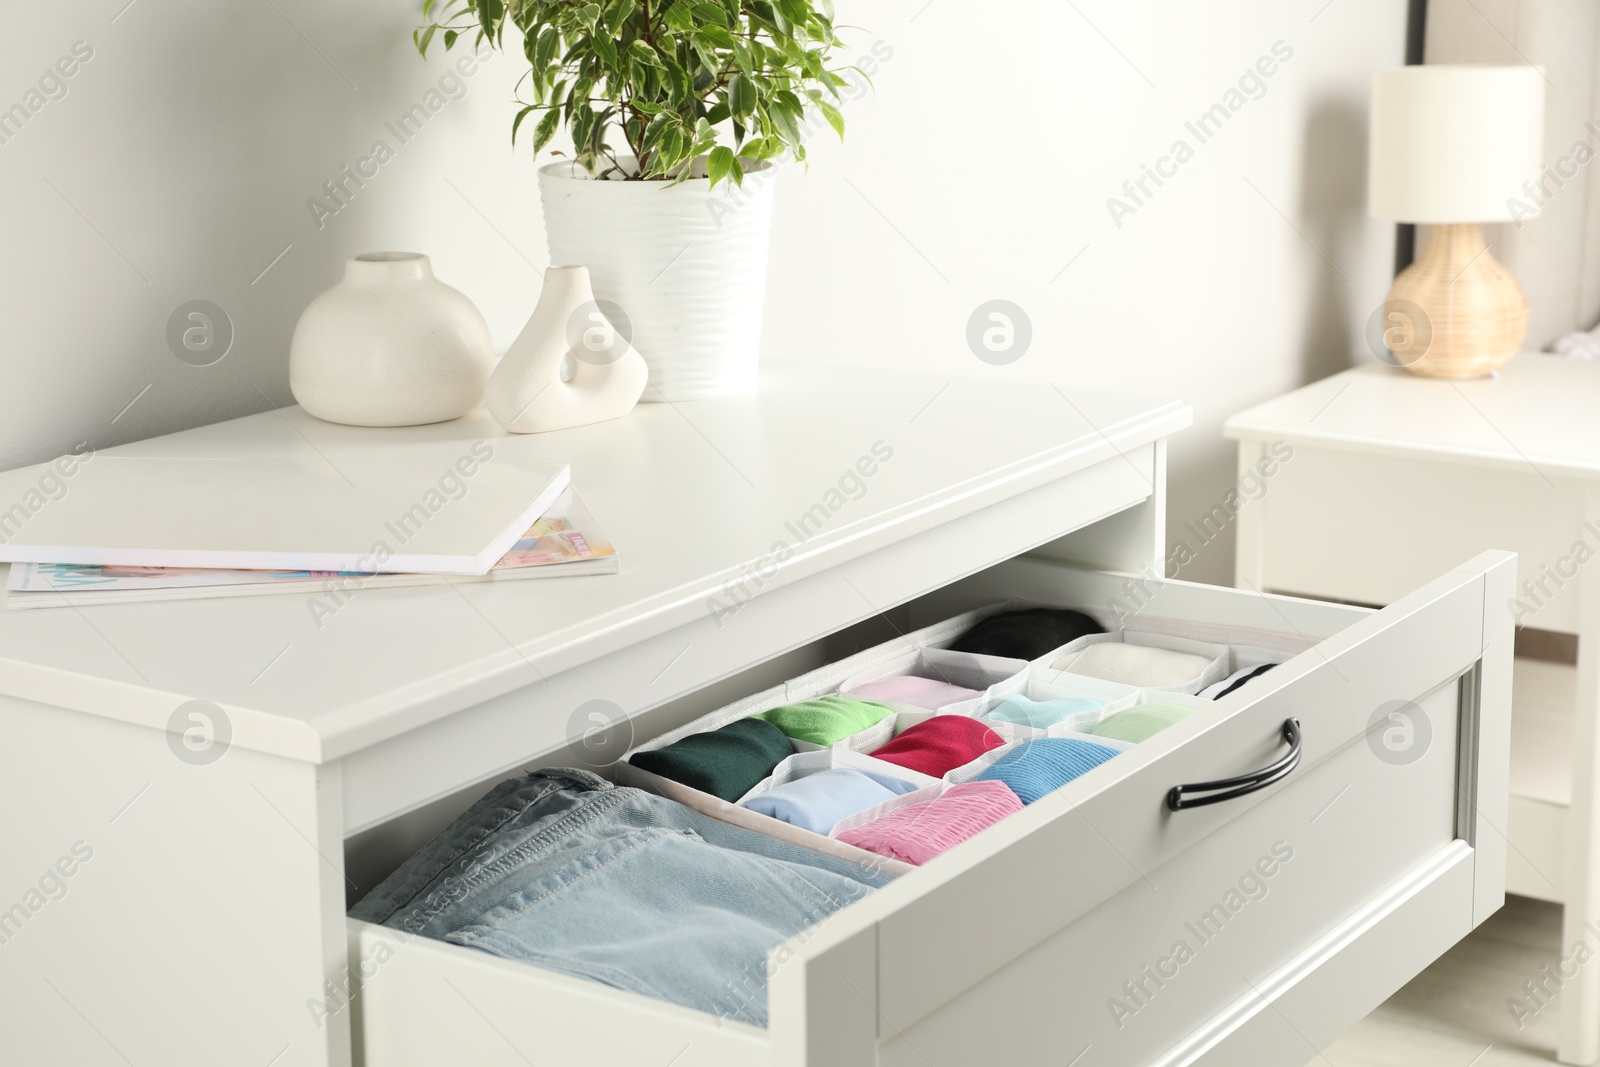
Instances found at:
x=666 y=101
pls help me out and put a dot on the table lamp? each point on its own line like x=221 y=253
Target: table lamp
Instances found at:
x=1452 y=147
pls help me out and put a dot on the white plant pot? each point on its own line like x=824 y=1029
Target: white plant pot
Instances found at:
x=686 y=265
x=390 y=345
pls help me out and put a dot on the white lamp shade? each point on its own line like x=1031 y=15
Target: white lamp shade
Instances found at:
x=1453 y=143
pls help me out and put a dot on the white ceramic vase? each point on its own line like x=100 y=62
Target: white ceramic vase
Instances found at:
x=686 y=265
x=390 y=345
x=569 y=366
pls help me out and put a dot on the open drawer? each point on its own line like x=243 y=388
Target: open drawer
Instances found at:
x=1098 y=926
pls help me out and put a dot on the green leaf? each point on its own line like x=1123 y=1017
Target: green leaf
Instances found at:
x=516 y=123
x=605 y=48
x=450 y=39
x=490 y=12
x=680 y=16
x=706 y=51
x=549 y=44
x=786 y=123
x=831 y=113
x=617 y=14
x=545 y=130
x=741 y=95
x=711 y=14
x=589 y=14
x=718 y=36
x=720 y=164
x=643 y=53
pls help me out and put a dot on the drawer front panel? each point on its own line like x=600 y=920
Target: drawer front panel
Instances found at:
x=423 y=1003
x=1103 y=832
x=1140 y=972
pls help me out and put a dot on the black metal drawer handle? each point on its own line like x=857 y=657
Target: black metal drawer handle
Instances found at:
x=1228 y=788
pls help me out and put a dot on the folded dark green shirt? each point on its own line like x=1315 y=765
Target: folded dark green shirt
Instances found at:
x=726 y=763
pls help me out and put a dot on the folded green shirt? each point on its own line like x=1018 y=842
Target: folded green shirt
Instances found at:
x=726 y=763
x=826 y=719
x=1139 y=722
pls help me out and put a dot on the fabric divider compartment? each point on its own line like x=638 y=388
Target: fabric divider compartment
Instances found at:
x=985 y=676
x=1042 y=684
x=1246 y=658
x=1212 y=660
x=1190 y=703
x=626 y=774
x=802 y=764
x=715 y=720
x=829 y=678
x=797 y=766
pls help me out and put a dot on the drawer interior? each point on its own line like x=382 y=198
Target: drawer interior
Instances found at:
x=1057 y=886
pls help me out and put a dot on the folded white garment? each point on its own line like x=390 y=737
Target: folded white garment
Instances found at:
x=1142 y=665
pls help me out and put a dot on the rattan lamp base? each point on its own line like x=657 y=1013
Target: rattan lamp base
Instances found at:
x=1457 y=312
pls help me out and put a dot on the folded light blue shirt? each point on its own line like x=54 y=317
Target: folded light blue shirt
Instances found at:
x=1041 y=713
x=1035 y=768
x=818 y=801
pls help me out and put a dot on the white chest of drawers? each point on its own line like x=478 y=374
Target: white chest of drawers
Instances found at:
x=759 y=536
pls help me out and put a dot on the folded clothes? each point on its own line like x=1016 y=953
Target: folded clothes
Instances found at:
x=1145 y=665
x=825 y=719
x=918 y=832
x=1041 y=714
x=1035 y=768
x=909 y=689
x=1026 y=634
x=726 y=763
x=819 y=800
x=1234 y=681
x=940 y=744
x=1139 y=722
x=565 y=871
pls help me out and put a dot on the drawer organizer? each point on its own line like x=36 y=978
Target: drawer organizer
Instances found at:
x=1100 y=924
x=922 y=654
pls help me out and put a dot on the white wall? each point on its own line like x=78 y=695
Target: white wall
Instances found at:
x=1556 y=256
x=179 y=164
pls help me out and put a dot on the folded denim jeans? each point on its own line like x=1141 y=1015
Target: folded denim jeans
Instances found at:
x=563 y=870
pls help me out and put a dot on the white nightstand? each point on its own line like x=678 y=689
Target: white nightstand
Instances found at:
x=1392 y=475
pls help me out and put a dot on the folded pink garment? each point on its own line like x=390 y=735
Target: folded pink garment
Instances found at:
x=918 y=832
x=909 y=689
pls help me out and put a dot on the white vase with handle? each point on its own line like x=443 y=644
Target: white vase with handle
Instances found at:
x=390 y=345
x=686 y=264
x=570 y=366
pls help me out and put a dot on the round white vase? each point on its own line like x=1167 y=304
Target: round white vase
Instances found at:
x=390 y=345
x=687 y=266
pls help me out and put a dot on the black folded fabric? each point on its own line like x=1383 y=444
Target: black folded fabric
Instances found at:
x=1026 y=634
x=1228 y=685
x=726 y=763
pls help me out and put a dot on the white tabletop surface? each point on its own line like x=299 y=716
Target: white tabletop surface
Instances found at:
x=689 y=493
x=1537 y=413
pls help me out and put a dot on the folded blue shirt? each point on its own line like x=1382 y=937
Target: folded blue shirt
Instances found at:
x=1041 y=713
x=1035 y=768
x=818 y=801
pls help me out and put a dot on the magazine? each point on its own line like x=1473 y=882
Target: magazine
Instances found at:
x=565 y=541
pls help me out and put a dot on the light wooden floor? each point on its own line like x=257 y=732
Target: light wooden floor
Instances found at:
x=1455 y=1013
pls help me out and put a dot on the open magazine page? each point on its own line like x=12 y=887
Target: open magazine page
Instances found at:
x=566 y=537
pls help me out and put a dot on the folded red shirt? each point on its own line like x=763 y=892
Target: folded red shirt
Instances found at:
x=940 y=744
